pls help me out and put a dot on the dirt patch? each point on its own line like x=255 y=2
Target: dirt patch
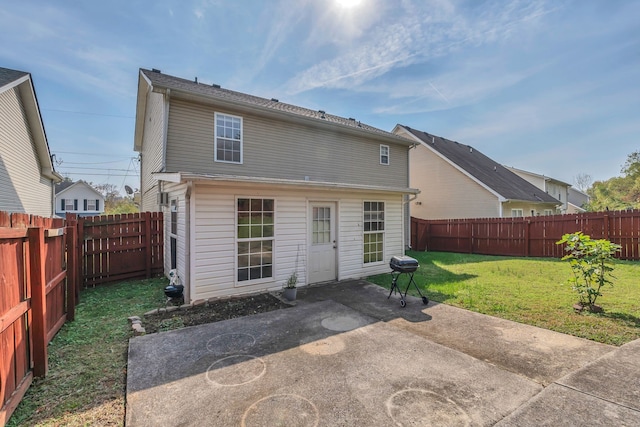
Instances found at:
x=212 y=311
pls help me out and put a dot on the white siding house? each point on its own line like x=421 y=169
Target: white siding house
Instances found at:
x=254 y=190
x=27 y=176
x=78 y=198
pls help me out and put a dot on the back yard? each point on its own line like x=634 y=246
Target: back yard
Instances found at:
x=529 y=290
x=88 y=357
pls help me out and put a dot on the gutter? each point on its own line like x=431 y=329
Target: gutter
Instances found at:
x=177 y=177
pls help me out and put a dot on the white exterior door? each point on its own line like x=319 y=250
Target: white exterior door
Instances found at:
x=322 y=239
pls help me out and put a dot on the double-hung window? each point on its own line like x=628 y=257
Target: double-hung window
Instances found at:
x=373 y=232
x=517 y=213
x=228 y=138
x=384 y=154
x=254 y=238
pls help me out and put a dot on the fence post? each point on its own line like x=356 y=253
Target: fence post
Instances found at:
x=147 y=242
x=527 y=230
x=79 y=257
x=71 y=271
x=607 y=232
x=38 y=300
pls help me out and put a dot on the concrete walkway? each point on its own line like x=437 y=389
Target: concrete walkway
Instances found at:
x=347 y=355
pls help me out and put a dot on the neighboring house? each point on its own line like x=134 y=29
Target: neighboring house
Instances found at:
x=577 y=201
x=458 y=181
x=27 y=175
x=78 y=198
x=554 y=187
x=254 y=190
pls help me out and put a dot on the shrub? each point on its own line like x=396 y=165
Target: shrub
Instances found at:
x=590 y=262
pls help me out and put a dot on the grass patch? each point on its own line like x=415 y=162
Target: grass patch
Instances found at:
x=88 y=360
x=528 y=290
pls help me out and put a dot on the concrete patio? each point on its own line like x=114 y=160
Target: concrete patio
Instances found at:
x=347 y=355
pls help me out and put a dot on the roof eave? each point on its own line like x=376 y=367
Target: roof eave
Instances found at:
x=181 y=177
x=144 y=86
x=265 y=111
x=34 y=119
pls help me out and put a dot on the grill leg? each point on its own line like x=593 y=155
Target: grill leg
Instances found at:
x=394 y=285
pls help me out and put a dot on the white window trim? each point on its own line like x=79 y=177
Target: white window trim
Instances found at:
x=383 y=232
x=215 y=138
x=388 y=154
x=239 y=284
x=519 y=211
x=67 y=203
x=89 y=202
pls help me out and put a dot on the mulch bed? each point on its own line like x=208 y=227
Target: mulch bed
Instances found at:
x=212 y=311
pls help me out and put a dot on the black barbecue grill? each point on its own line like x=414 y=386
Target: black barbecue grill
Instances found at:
x=404 y=265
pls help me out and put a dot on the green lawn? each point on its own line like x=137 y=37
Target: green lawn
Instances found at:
x=529 y=290
x=88 y=359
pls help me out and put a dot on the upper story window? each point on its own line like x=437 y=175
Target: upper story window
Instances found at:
x=384 y=154
x=517 y=213
x=91 y=204
x=228 y=138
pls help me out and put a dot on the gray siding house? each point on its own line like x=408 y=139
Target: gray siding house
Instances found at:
x=255 y=190
x=27 y=176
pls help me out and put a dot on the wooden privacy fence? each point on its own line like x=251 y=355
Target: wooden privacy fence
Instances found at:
x=43 y=262
x=528 y=236
x=38 y=289
x=118 y=247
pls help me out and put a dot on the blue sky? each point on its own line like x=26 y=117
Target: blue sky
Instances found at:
x=547 y=86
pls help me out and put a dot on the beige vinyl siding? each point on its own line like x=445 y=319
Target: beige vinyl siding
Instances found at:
x=22 y=186
x=152 y=151
x=538 y=208
x=278 y=149
x=214 y=234
x=446 y=192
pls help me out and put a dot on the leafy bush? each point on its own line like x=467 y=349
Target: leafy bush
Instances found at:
x=590 y=262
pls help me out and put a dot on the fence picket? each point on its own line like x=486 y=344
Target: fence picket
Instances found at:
x=528 y=236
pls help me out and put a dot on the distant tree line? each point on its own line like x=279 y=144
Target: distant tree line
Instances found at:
x=618 y=193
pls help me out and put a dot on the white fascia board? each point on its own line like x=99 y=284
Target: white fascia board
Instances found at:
x=144 y=87
x=402 y=129
x=32 y=111
x=177 y=177
x=83 y=184
x=14 y=83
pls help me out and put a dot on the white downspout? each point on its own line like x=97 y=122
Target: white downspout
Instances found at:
x=189 y=218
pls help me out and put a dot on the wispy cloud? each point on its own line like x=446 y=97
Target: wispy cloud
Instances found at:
x=61 y=40
x=426 y=32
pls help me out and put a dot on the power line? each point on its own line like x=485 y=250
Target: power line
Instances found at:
x=93 y=154
x=88 y=113
x=95 y=169
x=98 y=174
x=89 y=163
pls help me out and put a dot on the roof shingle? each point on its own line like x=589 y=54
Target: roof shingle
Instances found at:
x=7 y=76
x=490 y=173
x=159 y=79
